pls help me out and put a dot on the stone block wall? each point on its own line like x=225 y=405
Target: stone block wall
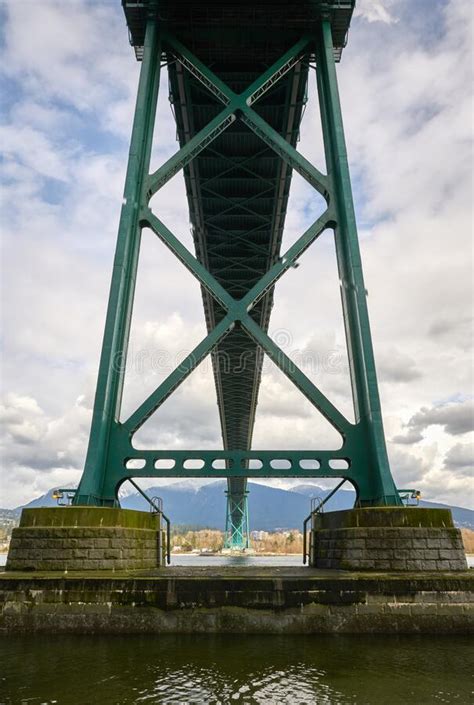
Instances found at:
x=250 y=602
x=389 y=549
x=59 y=539
x=407 y=542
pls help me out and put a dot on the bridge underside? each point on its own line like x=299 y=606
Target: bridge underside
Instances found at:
x=237 y=192
x=238 y=76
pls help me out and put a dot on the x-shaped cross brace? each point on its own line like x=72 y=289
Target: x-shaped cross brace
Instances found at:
x=237 y=310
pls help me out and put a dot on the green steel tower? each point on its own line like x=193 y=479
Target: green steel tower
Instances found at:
x=238 y=75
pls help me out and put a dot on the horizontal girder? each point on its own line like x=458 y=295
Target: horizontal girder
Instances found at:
x=257 y=463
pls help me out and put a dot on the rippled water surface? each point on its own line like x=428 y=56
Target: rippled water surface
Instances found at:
x=83 y=670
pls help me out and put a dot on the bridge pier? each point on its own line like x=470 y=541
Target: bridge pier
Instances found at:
x=86 y=539
x=237 y=530
x=386 y=539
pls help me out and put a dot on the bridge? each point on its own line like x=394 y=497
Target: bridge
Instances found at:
x=238 y=76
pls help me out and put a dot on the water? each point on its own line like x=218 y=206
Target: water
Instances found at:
x=197 y=560
x=193 y=559
x=206 y=669
x=212 y=669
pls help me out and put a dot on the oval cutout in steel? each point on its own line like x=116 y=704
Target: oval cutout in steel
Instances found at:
x=219 y=464
x=309 y=464
x=193 y=463
x=165 y=464
x=135 y=463
x=280 y=464
x=339 y=464
x=255 y=464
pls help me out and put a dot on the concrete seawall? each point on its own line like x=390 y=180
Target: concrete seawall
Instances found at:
x=273 y=600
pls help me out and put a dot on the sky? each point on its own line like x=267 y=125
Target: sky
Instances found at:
x=68 y=82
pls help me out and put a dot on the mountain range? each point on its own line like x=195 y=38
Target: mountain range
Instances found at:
x=270 y=508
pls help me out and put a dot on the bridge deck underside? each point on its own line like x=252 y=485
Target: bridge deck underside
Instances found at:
x=237 y=190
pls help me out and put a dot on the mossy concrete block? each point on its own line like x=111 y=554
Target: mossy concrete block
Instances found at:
x=73 y=517
x=85 y=538
x=307 y=602
x=384 y=517
x=414 y=539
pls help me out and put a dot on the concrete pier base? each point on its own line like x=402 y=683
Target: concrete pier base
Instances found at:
x=86 y=539
x=237 y=600
x=387 y=538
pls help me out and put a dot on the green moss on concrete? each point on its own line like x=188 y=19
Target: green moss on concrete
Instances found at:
x=400 y=517
x=306 y=601
x=381 y=581
x=88 y=517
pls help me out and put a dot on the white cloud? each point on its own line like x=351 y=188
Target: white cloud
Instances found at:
x=455 y=418
x=375 y=10
x=461 y=457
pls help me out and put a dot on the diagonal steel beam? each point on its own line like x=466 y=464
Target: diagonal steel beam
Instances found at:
x=177 y=377
x=185 y=257
x=299 y=379
x=235 y=103
x=256 y=89
x=208 y=281
x=288 y=260
x=251 y=94
x=289 y=154
x=237 y=310
x=190 y=150
x=199 y=70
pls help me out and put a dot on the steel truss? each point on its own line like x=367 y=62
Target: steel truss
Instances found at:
x=111 y=457
x=237 y=528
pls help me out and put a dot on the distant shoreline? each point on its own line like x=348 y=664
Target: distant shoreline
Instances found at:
x=254 y=554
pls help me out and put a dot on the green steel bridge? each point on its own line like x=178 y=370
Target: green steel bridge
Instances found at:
x=238 y=75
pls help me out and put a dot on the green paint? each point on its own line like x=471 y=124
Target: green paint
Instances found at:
x=237 y=530
x=237 y=199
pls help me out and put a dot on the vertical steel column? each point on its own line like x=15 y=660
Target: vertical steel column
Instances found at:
x=237 y=535
x=237 y=518
x=93 y=488
x=377 y=486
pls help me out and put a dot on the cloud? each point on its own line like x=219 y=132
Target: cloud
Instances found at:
x=375 y=10
x=456 y=419
x=32 y=438
x=74 y=56
x=422 y=473
x=22 y=419
x=460 y=457
x=397 y=367
x=39 y=451
x=31 y=149
x=408 y=438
